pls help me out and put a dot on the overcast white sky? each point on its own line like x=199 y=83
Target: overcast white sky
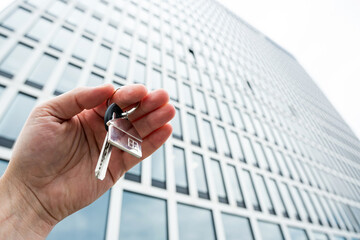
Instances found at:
x=323 y=35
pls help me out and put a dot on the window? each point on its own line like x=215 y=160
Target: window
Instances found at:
x=260 y=156
x=16 y=19
x=40 y=29
x=168 y=44
x=193 y=129
x=290 y=205
x=189 y=216
x=2 y=88
x=93 y=25
x=259 y=130
x=194 y=76
x=140 y=48
x=95 y=80
x=228 y=93
x=143 y=29
x=223 y=143
x=272 y=161
x=150 y=219
x=110 y=33
x=156 y=81
x=158 y=168
x=207 y=81
x=82 y=48
x=155 y=55
x=250 y=190
x=76 y=17
x=134 y=174
x=249 y=152
x=214 y=109
x=300 y=203
x=278 y=200
x=264 y=193
x=238 y=119
x=290 y=163
x=139 y=72
x=126 y=41
x=57 y=8
x=170 y=64
x=176 y=124
x=236 y=227
x=14 y=60
x=200 y=101
x=236 y=147
x=121 y=65
x=42 y=71
x=87 y=223
x=219 y=181
x=320 y=236
x=2 y=41
x=171 y=86
x=310 y=206
x=68 y=79
x=297 y=234
x=209 y=136
x=248 y=123
x=200 y=176
x=14 y=118
x=235 y=185
x=3 y=166
x=268 y=133
x=62 y=39
x=187 y=95
x=225 y=111
x=180 y=170
x=282 y=163
x=182 y=70
x=218 y=87
x=179 y=49
x=102 y=57
x=270 y=231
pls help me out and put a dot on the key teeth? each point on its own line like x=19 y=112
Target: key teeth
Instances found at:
x=97 y=175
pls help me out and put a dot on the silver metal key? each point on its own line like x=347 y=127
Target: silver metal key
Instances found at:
x=104 y=158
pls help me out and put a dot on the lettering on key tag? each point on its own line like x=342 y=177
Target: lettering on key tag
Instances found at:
x=123 y=135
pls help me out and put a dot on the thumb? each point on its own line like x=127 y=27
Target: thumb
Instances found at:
x=67 y=105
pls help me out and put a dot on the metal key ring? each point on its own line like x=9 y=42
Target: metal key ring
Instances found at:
x=124 y=115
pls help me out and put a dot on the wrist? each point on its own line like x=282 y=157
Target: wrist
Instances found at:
x=21 y=214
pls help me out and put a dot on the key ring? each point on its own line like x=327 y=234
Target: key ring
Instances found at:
x=123 y=115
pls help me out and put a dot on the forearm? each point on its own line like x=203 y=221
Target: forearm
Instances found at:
x=20 y=213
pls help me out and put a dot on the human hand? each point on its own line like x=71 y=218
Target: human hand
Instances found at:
x=51 y=172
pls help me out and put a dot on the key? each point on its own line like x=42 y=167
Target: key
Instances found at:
x=121 y=134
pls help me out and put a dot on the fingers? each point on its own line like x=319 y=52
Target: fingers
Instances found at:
x=67 y=105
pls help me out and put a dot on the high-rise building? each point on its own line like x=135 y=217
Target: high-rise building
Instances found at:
x=257 y=151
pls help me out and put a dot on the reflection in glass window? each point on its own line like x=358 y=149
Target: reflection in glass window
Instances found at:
x=40 y=29
x=249 y=152
x=158 y=168
x=188 y=217
x=155 y=55
x=41 y=71
x=187 y=95
x=236 y=147
x=177 y=126
x=68 y=79
x=209 y=135
x=235 y=185
x=126 y=41
x=219 y=181
x=264 y=193
x=223 y=143
x=150 y=220
x=270 y=231
x=14 y=118
x=87 y=223
x=110 y=33
x=14 y=60
x=200 y=101
x=76 y=17
x=3 y=166
x=134 y=174
x=320 y=236
x=139 y=72
x=200 y=176
x=278 y=200
x=250 y=190
x=95 y=80
x=93 y=25
x=297 y=234
x=180 y=170
x=83 y=48
x=57 y=8
x=16 y=19
x=62 y=39
x=121 y=65
x=236 y=227
x=214 y=109
x=102 y=57
x=272 y=161
x=193 y=129
x=170 y=63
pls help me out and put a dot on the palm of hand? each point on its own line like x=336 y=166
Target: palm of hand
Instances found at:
x=58 y=158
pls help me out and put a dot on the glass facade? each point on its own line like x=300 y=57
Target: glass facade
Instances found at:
x=257 y=150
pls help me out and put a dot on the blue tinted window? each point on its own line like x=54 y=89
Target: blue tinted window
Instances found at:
x=62 y=39
x=297 y=234
x=134 y=174
x=121 y=65
x=42 y=71
x=14 y=118
x=270 y=231
x=195 y=223
x=16 y=19
x=320 y=236
x=83 y=48
x=219 y=181
x=68 y=79
x=3 y=166
x=40 y=29
x=102 y=57
x=14 y=60
x=180 y=170
x=236 y=227
x=88 y=223
x=200 y=175
x=95 y=80
x=158 y=168
x=176 y=123
x=143 y=217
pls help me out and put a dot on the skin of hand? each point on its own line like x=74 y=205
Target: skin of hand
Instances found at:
x=51 y=171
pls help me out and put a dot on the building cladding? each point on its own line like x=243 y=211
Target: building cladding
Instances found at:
x=257 y=151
